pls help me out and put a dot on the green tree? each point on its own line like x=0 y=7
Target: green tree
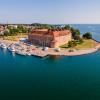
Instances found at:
x=75 y=32
x=87 y=35
x=77 y=37
x=67 y=27
x=6 y=33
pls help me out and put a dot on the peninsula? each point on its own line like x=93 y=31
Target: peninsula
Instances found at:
x=44 y=39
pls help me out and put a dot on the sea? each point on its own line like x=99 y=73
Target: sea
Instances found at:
x=51 y=78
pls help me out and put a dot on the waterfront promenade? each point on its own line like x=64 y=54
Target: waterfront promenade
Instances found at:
x=34 y=51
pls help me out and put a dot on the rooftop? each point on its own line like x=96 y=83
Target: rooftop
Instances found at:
x=51 y=32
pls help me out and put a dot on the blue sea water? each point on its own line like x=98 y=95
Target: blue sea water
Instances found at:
x=52 y=78
x=94 y=29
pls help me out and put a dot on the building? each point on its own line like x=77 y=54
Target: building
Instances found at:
x=49 y=38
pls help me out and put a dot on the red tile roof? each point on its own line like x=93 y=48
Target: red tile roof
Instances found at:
x=47 y=32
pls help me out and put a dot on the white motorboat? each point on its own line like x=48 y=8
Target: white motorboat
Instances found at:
x=3 y=46
x=12 y=49
x=21 y=53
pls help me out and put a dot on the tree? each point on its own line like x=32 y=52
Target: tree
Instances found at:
x=67 y=27
x=6 y=33
x=75 y=32
x=77 y=37
x=42 y=26
x=22 y=29
x=87 y=35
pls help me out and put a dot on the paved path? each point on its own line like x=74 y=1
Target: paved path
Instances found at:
x=64 y=52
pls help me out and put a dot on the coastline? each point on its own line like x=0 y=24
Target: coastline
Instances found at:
x=64 y=52
x=76 y=52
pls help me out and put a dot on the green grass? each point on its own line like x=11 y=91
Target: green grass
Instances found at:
x=64 y=46
x=14 y=38
x=85 y=45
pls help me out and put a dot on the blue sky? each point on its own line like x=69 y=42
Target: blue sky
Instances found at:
x=50 y=11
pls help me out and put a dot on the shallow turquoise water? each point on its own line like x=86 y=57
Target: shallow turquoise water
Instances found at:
x=54 y=78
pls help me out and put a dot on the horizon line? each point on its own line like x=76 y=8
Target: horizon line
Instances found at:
x=50 y=23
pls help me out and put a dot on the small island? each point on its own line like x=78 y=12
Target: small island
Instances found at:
x=44 y=39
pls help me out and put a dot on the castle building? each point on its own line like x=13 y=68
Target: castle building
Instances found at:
x=49 y=38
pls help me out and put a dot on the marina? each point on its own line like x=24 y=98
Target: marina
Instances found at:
x=23 y=49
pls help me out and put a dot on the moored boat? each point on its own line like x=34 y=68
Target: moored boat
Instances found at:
x=3 y=46
x=21 y=53
x=12 y=49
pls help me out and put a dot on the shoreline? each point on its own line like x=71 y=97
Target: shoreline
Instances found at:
x=51 y=52
x=77 y=52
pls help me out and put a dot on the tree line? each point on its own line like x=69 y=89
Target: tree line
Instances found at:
x=10 y=31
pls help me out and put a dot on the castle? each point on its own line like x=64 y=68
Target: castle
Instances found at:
x=49 y=38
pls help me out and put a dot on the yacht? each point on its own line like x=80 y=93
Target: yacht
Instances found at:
x=21 y=53
x=3 y=46
x=12 y=49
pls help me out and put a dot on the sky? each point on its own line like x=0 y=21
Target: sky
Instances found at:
x=50 y=11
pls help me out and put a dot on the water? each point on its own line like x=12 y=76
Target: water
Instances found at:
x=94 y=29
x=54 y=78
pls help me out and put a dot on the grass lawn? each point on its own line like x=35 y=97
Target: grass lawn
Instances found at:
x=87 y=44
x=64 y=46
x=15 y=38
